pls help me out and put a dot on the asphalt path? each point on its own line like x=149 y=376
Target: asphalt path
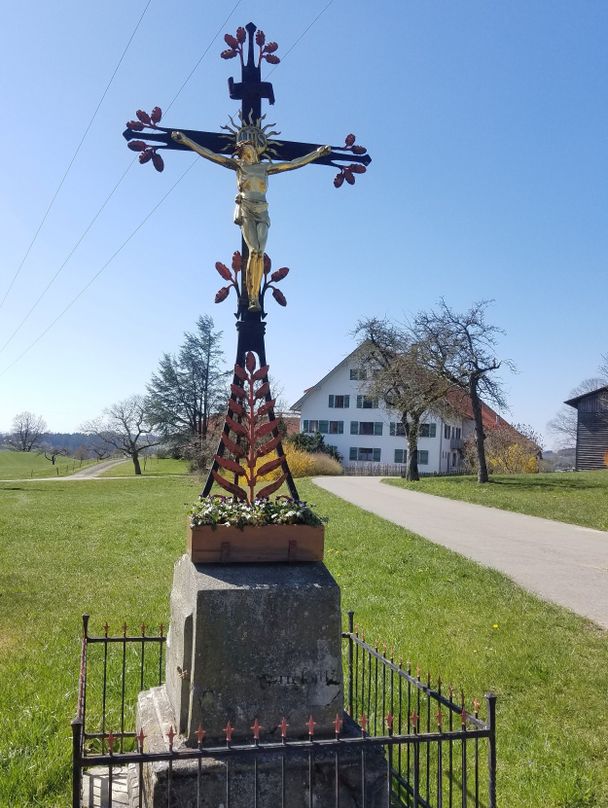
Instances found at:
x=562 y=563
x=87 y=473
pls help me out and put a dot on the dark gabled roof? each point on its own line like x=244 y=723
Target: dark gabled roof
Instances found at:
x=573 y=402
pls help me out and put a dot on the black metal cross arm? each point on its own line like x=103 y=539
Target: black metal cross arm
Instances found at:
x=162 y=135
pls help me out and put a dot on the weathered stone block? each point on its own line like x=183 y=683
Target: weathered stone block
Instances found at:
x=254 y=641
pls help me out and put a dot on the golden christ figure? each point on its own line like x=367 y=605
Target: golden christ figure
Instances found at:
x=251 y=211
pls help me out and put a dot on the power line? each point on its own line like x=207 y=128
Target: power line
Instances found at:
x=70 y=254
x=71 y=163
x=98 y=273
x=114 y=189
x=302 y=35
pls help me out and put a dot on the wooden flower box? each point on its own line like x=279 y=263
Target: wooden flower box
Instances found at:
x=226 y=544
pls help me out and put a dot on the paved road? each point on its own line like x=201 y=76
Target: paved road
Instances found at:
x=566 y=564
x=87 y=473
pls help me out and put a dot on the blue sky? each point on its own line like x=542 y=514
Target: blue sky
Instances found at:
x=487 y=123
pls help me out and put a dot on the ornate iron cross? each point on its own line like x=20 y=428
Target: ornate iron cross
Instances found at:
x=147 y=137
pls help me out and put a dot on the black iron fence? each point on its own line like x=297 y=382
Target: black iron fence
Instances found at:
x=402 y=742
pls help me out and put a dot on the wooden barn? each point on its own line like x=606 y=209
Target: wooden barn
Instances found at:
x=592 y=429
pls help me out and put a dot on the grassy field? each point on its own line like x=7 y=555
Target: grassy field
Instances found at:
x=109 y=548
x=150 y=467
x=580 y=498
x=22 y=465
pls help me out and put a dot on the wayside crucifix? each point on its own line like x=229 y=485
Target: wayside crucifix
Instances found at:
x=249 y=148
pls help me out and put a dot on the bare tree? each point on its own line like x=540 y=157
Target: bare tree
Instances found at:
x=603 y=369
x=27 y=433
x=564 y=425
x=125 y=427
x=51 y=452
x=400 y=379
x=461 y=348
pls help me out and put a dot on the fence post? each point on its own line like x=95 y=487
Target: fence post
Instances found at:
x=491 y=699
x=76 y=762
x=351 y=626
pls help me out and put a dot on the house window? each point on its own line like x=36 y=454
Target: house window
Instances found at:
x=364 y=455
x=339 y=402
x=336 y=427
x=427 y=430
x=357 y=375
x=310 y=426
x=457 y=432
x=367 y=403
x=400 y=455
x=366 y=428
x=397 y=429
x=423 y=457
x=447 y=431
x=323 y=427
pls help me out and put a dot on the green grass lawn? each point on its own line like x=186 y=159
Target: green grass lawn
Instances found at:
x=22 y=465
x=109 y=550
x=150 y=467
x=577 y=497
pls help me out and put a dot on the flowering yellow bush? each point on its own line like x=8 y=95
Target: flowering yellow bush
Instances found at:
x=307 y=464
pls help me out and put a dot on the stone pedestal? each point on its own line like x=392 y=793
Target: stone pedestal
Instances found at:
x=254 y=641
x=247 y=642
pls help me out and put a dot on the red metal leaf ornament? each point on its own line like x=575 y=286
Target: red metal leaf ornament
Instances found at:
x=358 y=149
x=237 y=391
x=231 y=41
x=235 y=426
x=266 y=428
x=349 y=140
x=348 y=176
x=230 y=465
x=270 y=489
x=279 y=297
x=228 y=486
x=236 y=450
x=267 y=264
x=272 y=59
x=262 y=390
x=236 y=261
x=338 y=180
x=270 y=466
x=241 y=34
x=156 y=115
x=223 y=270
x=137 y=145
x=136 y=126
x=238 y=371
x=357 y=168
x=143 y=117
x=228 y=54
x=271 y=47
x=145 y=156
x=157 y=161
x=260 y=374
x=250 y=362
x=279 y=274
x=267 y=447
x=260 y=38
x=265 y=408
x=222 y=294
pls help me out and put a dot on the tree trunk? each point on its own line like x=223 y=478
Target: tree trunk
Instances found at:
x=482 y=467
x=135 y=458
x=411 y=430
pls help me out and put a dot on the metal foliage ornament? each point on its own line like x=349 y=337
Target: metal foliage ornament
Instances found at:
x=231 y=274
x=252 y=435
x=146 y=152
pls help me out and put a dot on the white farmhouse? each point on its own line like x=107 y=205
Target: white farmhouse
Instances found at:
x=365 y=432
